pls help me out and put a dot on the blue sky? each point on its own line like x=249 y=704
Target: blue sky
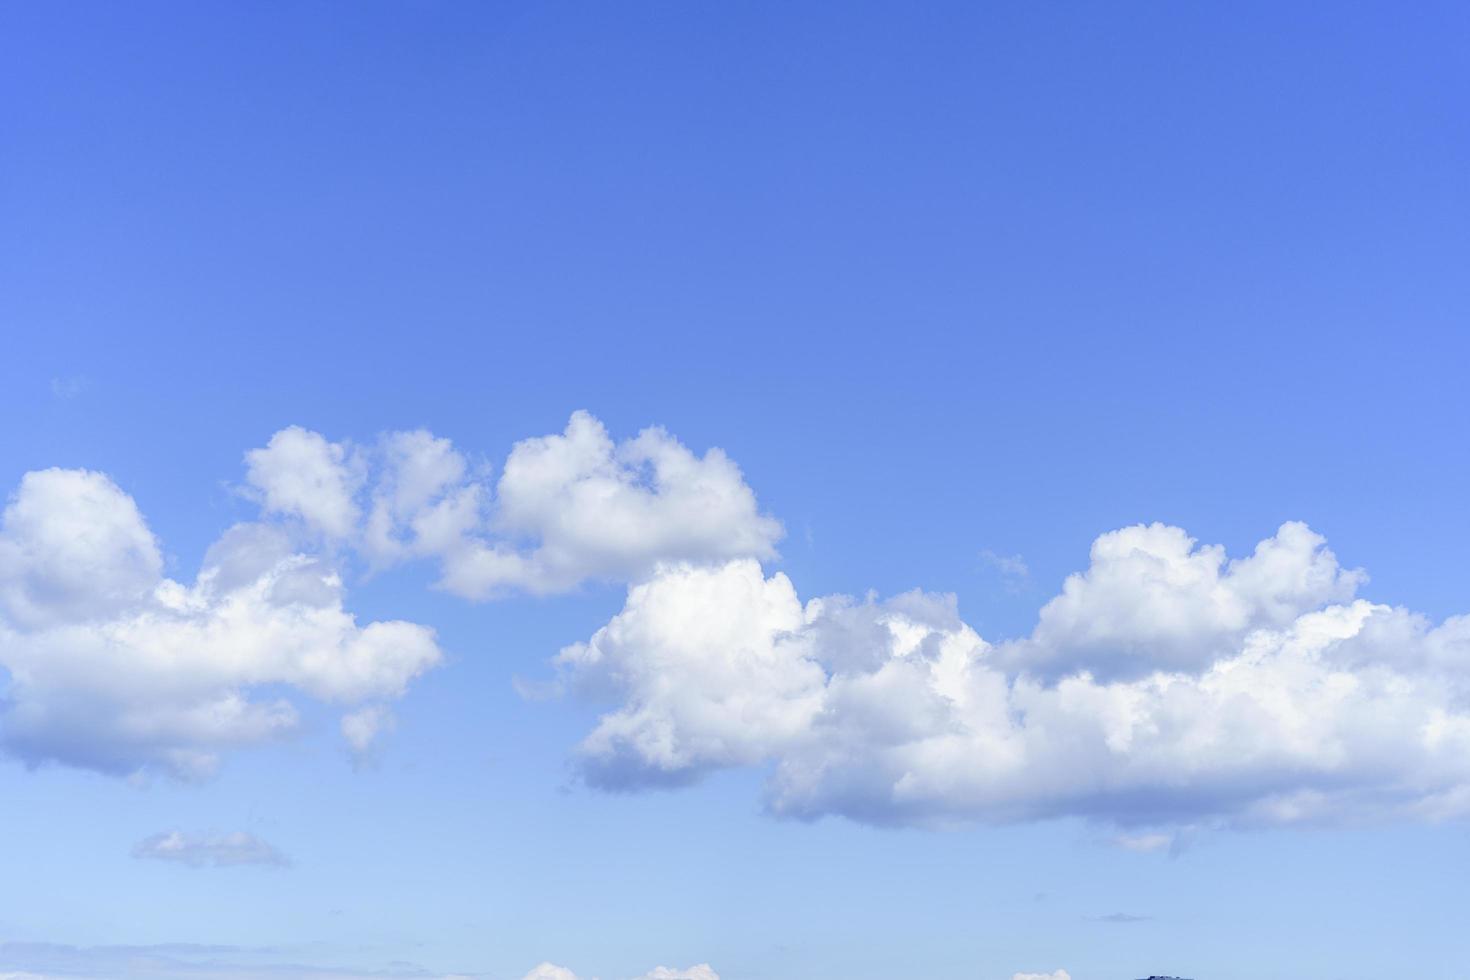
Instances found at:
x=958 y=289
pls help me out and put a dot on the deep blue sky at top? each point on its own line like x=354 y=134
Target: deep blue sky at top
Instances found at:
x=1076 y=265
x=942 y=278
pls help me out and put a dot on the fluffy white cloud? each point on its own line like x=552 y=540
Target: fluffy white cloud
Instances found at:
x=72 y=547
x=567 y=508
x=116 y=668
x=703 y=657
x=301 y=474
x=1055 y=975
x=613 y=511
x=550 y=971
x=1152 y=598
x=1265 y=696
x=209 y=850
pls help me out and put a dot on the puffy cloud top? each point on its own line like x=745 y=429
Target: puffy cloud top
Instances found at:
x=300 y=473
x=1152 y=599
x=567 y=508
x=73 y=547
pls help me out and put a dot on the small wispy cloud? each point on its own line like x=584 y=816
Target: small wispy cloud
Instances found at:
x=210 y=850
x=362 y=727
x=68 y=387
x=1120 y=918
x=1014 y=571
x=1143 y=843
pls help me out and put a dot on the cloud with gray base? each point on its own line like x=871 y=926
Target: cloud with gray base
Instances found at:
x=115 y=667
x=210 y=850
x=1167 y=688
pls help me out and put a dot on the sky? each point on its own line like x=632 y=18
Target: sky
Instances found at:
x=539 y=491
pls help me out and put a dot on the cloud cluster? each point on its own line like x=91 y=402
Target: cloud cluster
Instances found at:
x=210 y=850
x=1165 y=687
x=703 y=971
x=566 y=509
x=112 y=666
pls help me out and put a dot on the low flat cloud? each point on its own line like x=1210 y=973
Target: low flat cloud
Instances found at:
x=190 y=961
x=702 y=971
x=1121 y=918
x=210 y=850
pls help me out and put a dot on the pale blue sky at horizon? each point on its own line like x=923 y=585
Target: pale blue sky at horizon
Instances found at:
x=812 y=570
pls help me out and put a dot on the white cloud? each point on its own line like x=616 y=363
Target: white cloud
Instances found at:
x=363 y=726
x=614 y=511
x=1250 y=692
x=1144 y=843
x=209 y=850
x=72 y=547
x=300 y=474
x=1152 y=599
x=550 y=971
x=116 y=668
x=701 y=972
x=567 y=508
x=700 y=656
x=423 y=502
x=1055 y=975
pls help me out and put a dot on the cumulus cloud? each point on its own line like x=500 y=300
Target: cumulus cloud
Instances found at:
x=567 y=508
x=1165 y=688
x=114 y=667
x=210 y=850
x=300 y=474
x=1152 y=598
x=73 y=547
x=550 y=971
x=613 y=511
